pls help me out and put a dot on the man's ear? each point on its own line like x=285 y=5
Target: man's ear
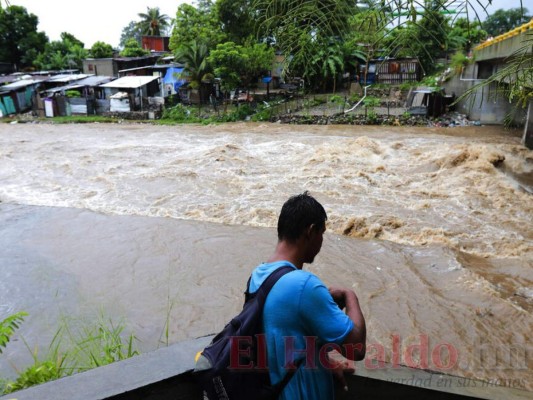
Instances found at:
x=309 y=230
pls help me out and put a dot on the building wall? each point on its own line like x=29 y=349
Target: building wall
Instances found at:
x=485 y=104
x=100 y=66
x=155 y=43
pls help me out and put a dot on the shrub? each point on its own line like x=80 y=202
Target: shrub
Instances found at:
x=180 y=113
x=458 y=61
x=73 y=93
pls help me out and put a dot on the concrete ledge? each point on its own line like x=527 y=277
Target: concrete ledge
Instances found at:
x=120 y=378
x=409 y=383
x=166 y=374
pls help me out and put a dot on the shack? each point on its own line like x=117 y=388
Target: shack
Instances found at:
x=172 y=81
x=429 y=102
x=16 y=97
x=392 y=71
x=63 y=79
x=112 y=66
x=137 y=88
x=82 y=96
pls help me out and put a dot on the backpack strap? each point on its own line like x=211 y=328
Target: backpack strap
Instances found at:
x=273 y=391
x=278 y=387
x=266 y=286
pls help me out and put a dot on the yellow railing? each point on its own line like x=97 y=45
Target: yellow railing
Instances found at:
x=516 y=31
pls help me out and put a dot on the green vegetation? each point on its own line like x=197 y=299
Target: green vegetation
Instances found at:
x=132 y=48
x=502 y=21
x=130 y=31
x=80 y=119
x=71 y=351
x=101 y=50
x=458 y=61
x=20 y=42
x=67 y=53
x=152 y=22
x=8 y=327
x=72 y=93
x=183 y=114
x=318 y=43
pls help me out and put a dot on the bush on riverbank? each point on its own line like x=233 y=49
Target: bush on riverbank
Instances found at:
x=351 y=119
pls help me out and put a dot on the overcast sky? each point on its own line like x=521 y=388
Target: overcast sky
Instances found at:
x=104 y=20
x=95 y=20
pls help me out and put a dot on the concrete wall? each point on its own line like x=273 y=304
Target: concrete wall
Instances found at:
x=100 y=66
x=485 y=104
x=501 y=49
x=165 y=374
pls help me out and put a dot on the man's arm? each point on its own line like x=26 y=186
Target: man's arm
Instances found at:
x=354 y=345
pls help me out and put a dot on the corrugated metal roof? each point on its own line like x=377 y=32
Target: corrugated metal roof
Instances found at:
x=130 y=82
x=65 y=78
x=93 y=80
x=8 y=78
x=19 y=84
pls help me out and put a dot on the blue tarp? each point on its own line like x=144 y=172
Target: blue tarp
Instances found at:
x=172 y=77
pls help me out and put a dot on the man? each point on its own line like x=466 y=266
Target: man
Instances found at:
x=302 y=319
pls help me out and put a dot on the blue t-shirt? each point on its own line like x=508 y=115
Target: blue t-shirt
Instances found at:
x=300 y=311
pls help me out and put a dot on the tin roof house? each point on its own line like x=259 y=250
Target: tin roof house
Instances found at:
x=16 y=97
x=80 y=97
x=113 y=66
x=131 y=93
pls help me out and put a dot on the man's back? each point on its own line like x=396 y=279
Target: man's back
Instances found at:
x=299 y=318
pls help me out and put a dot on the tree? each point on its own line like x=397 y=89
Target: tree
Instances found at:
x=67 y=53
x=71 y=39
x=19 y=40
x=75 y=57
x=464 y=34
x=194 y=56
x=329 y=62
x=196 y=24
x=367 y=33
x=101 y=50
x=130 y=31
x=428 y=37
x=153 y=22
x=228 y=61
x=133 y=49
x=259 y=57
x=502 y=21
x=236 y=19
x=297 y=26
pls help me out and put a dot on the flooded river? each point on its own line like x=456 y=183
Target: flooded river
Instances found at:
x=433 y=228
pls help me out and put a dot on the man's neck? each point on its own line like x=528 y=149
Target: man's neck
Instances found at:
x=289 y=252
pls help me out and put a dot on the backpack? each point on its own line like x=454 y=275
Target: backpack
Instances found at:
x=233 y=366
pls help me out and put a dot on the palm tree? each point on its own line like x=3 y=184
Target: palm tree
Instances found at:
x=153 y=22
x=194 y=56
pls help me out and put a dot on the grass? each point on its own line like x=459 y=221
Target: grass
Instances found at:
x=75 y=350
x=80 y=119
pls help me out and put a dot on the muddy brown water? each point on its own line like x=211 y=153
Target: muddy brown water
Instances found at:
x=432 y=228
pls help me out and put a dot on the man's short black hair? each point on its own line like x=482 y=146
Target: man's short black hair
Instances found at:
x=297 y=214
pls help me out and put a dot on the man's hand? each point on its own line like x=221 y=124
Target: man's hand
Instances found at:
x=347 y=299
x=341 y=368
x=339 y=295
